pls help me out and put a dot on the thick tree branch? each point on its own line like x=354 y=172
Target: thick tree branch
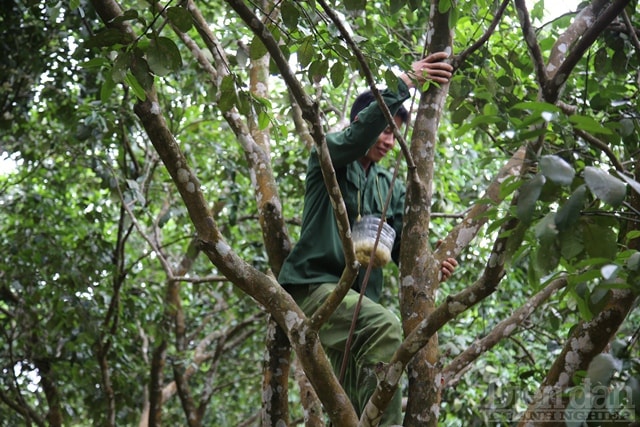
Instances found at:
x=572 y=34
x=313 y=416
x=551 y=88
x=277 y=357
x=51 y=391
x=260 y=286
x=274 y=231
x=186 y=398
x=532 y=42
x=156 y=381
x=587 y=340
x=420 y=273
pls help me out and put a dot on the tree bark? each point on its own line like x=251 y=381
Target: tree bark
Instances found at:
x=587 y=340
x=47 y=380
x=420 y=274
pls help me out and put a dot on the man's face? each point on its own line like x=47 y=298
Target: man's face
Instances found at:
x=384 y=144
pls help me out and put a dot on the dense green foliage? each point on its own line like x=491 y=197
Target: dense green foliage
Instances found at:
x=90 y=219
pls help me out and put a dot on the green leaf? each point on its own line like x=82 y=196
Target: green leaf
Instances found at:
x=128 y=15
x=589 y=124
x=460 y=114
x=342 y=51
x=95 y=62
x=355 y=4
x=598 y=299
x=396 y=5
x=557 y=170
x=546 y=230
x=583 y=307
x=547 y=256
x=107 y=88
x=263 y=120
x=505 y=81
x=306 y=52
x=601 y=62
x=121 y=66
x=571 y=244
x=134 y=188
x=600 y=241
x=537 y=107
x=627 y=127
x=318 y=69
x=632 y=182
x=290 y=14
x=228 y=96
x=444 y=6
x=528 y=196
x=502 y=62
x=477 y=121
x=605 y=186
x=392 y=48
x=633 y=234
x=337 y=73
x=509 y=185
x=569 y=213
x=391 y=79
x=137 y=88
x=108 y=37
x=244 y=103
x=633 y=262
x=163 y=56
x=584 y=277
x=602 y=367
x=142 y=73
x=257 y=49
x=454 y=15
x=180 y=17
x=619 y=62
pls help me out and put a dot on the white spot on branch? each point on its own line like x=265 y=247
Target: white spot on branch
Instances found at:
x=291 y=319
x=222 y=248
x=183 y=175
x=456 y=308
x=509 y=329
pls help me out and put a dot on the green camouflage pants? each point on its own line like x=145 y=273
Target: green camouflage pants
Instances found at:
x=377 y=336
